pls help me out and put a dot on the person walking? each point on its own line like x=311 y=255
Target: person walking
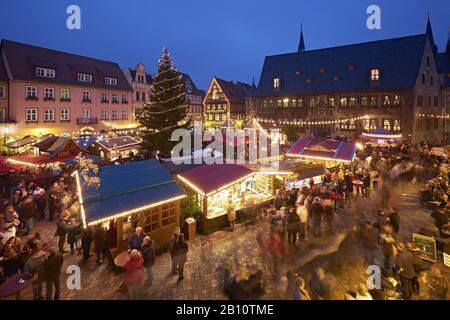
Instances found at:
x=148 y=253
x=369 y=240
x=61 y=232
x=100 y=244
x=41 y=202
x=52 y=274
x=299 y=292
x=73 y=233
x=231 y=213
x=317 y=213
x=395 y=220
x=181 y=250
x=405 y=268
x=35 y=266
x=173 y=242
x=302 y=213
x=134 y=275
x=29 y=210
x=86 y=241
x=319 y=285
x=293 y=226
x=52 y=202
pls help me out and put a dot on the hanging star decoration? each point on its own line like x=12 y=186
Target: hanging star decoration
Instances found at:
x=89 y=171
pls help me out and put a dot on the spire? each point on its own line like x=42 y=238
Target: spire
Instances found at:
x=429 y=33
x=253 y=83
x=447 y=48
x=301 y=44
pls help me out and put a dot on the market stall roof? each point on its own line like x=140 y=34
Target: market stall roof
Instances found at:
x=31 y=160
x=228 y=124
x=86 y=142
x=123 y=142
x=323 y=150
x=253 y=124
x=381 y=133
x=22 y=142
x=127 y=189
x=7 y=167
x=303 y=169
x=45 y=142
x=209 y=178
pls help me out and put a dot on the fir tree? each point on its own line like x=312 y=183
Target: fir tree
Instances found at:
x=166 y=110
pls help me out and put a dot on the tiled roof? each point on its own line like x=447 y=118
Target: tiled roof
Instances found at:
x=129 y=186
x=3 y=75
x=195 y=90
x=345 y=68
x=235 y=91
x=23 y=59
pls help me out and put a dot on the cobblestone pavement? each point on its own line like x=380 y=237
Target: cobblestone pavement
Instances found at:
x=343 y=262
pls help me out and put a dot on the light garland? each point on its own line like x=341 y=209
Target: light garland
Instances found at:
x=136 y=210
x=87 y=165
x=80 y=197
x=317 y=158
x=437 y=116
x=145 y=112
x=33 y=165
x=381 y=136
x=312 y=123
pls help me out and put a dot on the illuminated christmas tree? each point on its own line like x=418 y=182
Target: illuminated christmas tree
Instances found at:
x=166 y=110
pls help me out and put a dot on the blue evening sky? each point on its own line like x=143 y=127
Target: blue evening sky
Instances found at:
x=227 y=38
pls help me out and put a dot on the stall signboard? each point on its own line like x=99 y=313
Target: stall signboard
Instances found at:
x=447 y=259
x=427 y=245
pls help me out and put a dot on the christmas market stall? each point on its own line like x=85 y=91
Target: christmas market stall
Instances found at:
x=218 y=185
x=22 y=145
x=381 y=137
x=329 y=153
x=123 y=197
x=116 y=148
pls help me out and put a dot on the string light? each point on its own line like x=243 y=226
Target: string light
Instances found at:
x=86 y=166
x=312 y=123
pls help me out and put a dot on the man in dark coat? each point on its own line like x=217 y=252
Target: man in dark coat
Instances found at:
x=100 y=243
x=148 y=253
x=405 y=268
x=52 y=274
x=173 y=241
x=181 y=250
x=395 y=220
x=61 y=232
x=319 y=285
x=86 y=241
x=293 y=226
x=29 y=212
x=369 y=240
x=136 y=239
x=317 y=213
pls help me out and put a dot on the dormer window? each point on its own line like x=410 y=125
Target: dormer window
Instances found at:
x=188 y=86
x=298 y=72
x=111 y=81
x=374 y=74
x=214 y=93
x=84 y=77
x=308 y=80
x=322 y=70
x=45 y=72
x=351 y=67
x=276 y=83
x=335 y=78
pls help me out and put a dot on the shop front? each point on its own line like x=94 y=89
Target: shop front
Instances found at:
x=217 y=186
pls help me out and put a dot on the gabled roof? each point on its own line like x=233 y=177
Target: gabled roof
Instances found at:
x=329 y=149
x=253 y=124
x=3 y=75
x=228 y=124
x=24 y=58
x=209 y=178
x=235 y=91
x=148 y=77
x=127 y=187
x=195 y=91
x=398 y=60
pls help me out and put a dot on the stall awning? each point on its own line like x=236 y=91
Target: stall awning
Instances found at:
x=207 y=179
x=119 y=143
x=45 y=142
x=323 y=150
x=7 y=167
x=310 y=173
x=382 y=134
x=23 y=142
x=31 y=160
x=127 y=189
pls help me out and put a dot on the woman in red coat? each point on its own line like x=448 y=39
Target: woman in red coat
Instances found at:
x=134 y=274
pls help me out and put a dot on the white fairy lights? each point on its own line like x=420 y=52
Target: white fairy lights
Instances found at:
x=311 y=123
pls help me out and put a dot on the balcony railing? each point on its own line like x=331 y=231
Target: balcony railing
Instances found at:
x=86 y=120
